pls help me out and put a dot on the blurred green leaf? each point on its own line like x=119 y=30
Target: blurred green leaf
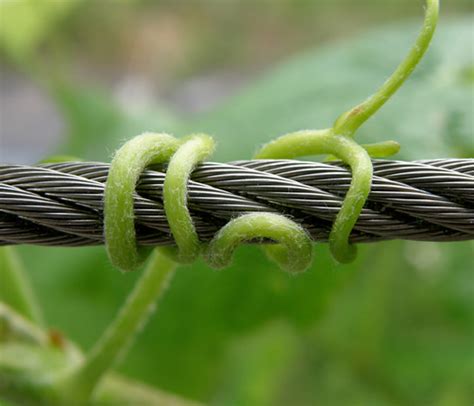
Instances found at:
x=25 y=23
x=97 y=126
x=92 y=119
x=312 y=89
x=15 y=289
x=30 y=357
x=257 y=365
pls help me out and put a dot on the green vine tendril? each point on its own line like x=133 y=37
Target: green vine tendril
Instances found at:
x=293 y=254
x=348 y=123
x=194 y=149
x=125 y=169
x=346 y=149
x=337 y=141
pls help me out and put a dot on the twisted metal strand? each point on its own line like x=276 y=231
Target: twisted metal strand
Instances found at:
x=62 y=204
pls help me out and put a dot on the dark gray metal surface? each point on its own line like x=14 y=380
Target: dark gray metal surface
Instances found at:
x=62 y=204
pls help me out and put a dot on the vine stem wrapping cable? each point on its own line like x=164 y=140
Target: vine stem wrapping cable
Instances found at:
x=283 y=201
x=62 y=204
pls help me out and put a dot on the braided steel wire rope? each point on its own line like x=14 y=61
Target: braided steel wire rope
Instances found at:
x=62 y=204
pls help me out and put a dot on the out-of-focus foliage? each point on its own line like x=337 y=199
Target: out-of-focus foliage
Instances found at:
x=435 y=106
x=394 y=328
x=25 y=23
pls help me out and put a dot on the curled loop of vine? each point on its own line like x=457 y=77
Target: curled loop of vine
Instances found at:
x=346 y=149
x=129 y=162
x=193 y=150
x=293 y=253
x=127 y=165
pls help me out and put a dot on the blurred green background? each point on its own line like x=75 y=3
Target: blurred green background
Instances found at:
x=394 y=328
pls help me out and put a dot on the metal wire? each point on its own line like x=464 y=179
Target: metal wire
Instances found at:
x=62 y=204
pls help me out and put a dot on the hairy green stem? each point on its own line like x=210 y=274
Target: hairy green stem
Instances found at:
x=293 y=254
x=80 y=385
x=15 y=288
x=193 y=150
x=309 y=142
x=126 y=167
x=348 y=123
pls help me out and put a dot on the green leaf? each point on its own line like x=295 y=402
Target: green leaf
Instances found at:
x=15 y=289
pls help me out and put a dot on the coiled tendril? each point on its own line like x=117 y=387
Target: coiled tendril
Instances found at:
x=294 y=252
x=346 y=149
x=128 y=163
x=337 y=141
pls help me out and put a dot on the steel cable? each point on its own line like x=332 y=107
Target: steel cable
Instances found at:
x=62 y=204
